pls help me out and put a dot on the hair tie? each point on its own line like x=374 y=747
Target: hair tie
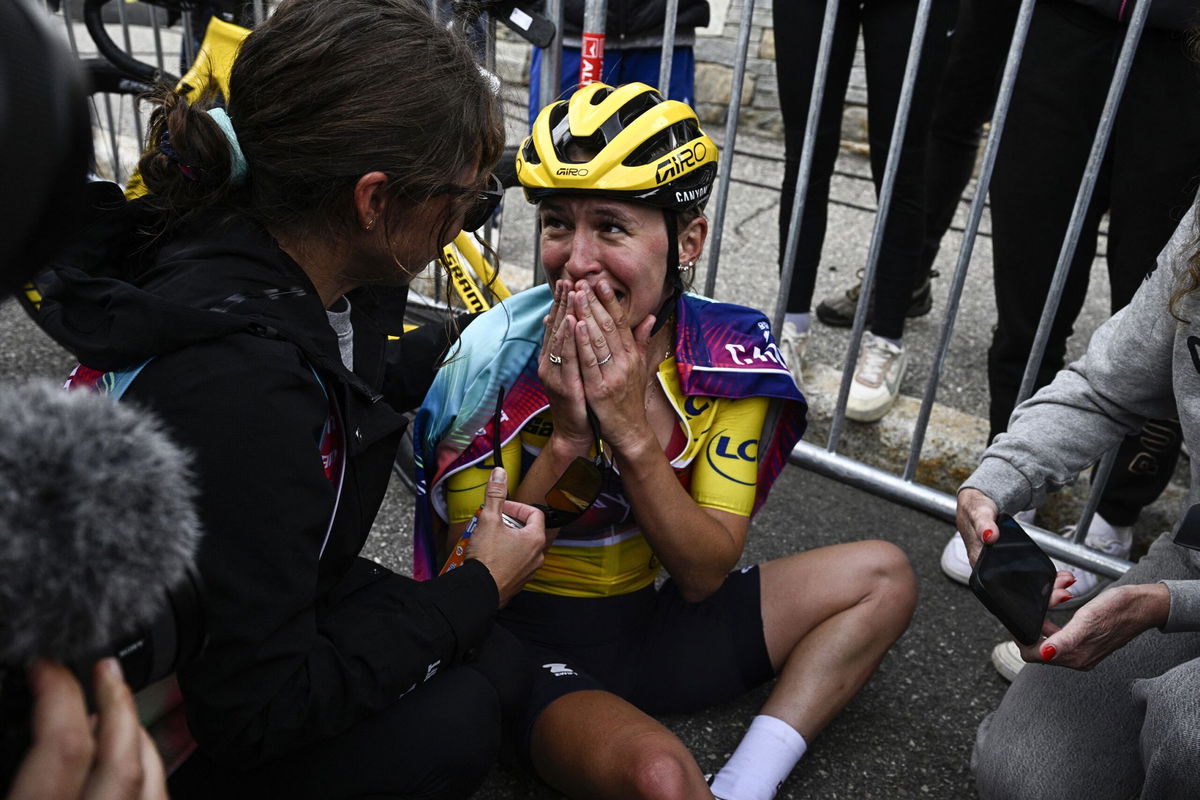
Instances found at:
x=192 y=173
x=237 y=160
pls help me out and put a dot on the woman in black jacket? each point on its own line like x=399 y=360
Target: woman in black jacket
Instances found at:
x=249 y=298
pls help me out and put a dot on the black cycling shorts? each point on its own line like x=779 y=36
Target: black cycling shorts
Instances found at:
x=651 y=647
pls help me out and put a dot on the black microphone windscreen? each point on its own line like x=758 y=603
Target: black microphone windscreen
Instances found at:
x=96 y=520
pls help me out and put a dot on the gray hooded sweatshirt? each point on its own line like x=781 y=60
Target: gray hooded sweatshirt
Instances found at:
x=1141 y=364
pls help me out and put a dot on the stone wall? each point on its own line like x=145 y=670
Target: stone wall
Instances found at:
x=716 y=49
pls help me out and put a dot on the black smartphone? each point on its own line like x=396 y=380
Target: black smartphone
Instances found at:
x=1013 y=579
x=1188 y=534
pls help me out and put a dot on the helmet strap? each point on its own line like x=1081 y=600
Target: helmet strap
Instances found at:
x=673 y=281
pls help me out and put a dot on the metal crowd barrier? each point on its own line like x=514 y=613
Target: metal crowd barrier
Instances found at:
x=117 y=116
x=827 y=460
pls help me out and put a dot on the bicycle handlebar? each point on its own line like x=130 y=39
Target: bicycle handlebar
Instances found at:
x=105 y=78
x=138 y=70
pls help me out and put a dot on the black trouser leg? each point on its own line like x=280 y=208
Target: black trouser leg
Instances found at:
x=797 y=40
x=966 y=100
x=887 y=36
x=1142 y=470
x=1052 y=119
x=438 y=741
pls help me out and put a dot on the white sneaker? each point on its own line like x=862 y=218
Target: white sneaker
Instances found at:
x=877 y=377
x=955 y=563
x=792 y=344
x=1113 y=540
x=1006 y=658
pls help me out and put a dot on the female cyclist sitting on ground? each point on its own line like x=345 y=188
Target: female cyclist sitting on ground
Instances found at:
x=697 y=412
x=248 y=299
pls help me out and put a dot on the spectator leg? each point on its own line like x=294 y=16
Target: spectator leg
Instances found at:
x=965 y=101
x=1060 y=90
x=887 y=35
x=797 y=39
x=1063 y=733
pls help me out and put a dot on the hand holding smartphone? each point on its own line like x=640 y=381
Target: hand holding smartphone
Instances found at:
x=1013 y=579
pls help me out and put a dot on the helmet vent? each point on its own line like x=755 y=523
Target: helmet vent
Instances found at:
x=638 y=106
x=662 y=143
x=530 y=154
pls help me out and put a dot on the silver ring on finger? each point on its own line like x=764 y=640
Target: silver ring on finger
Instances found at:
x=554 y=359
x=604 y=360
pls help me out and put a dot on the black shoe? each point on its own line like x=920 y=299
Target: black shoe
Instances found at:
x=838 y=311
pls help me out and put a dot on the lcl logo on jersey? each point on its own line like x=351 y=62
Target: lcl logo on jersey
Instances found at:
x=725 y=456
x=695 y=406
x=746 y=451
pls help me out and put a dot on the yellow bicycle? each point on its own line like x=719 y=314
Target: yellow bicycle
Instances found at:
x=474 y=277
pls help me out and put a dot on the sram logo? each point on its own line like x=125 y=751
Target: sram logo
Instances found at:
x=678 y=163
x=577 y=172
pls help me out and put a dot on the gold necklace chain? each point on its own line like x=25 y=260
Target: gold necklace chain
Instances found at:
x=654 y=377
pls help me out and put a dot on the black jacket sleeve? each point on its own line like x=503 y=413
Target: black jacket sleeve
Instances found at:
x=413 y=359
x=299 y=648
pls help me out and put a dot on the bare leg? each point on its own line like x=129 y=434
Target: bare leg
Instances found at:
x=829 y=615
x=595 y=745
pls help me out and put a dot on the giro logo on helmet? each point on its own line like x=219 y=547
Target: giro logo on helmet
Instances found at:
x=575 y=171
x=678 y=164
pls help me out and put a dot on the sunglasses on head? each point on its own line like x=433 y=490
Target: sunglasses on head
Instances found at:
x=484 y=204
x=576 y=489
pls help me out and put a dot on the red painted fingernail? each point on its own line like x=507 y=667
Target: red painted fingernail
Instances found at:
x=1049 y=651
x=989 y=535
x=1069 y=583
x=1068 y=597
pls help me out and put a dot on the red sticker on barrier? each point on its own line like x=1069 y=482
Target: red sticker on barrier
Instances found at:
x=591 y=58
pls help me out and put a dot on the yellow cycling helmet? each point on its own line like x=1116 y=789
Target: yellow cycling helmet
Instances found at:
x=625 y=142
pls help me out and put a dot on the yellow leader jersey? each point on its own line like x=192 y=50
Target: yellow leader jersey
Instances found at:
x=714 y=451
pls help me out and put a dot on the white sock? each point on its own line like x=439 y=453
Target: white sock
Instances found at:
x=802 y=321
x=762 y=761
